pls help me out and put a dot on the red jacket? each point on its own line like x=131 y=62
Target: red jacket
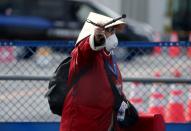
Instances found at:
x=89 y=104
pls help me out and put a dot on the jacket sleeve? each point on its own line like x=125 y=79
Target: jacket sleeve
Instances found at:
x=87 y=52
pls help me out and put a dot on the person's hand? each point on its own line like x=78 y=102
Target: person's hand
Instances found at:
x=99 y=35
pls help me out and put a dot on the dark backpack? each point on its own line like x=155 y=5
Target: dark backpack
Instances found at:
x=58 y=88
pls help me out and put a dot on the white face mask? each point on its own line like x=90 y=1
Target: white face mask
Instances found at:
x=111 y=42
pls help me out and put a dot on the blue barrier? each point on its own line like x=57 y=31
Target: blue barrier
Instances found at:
x=29 y=126
x=54 y=126
x=60 y=43
x=178 y=127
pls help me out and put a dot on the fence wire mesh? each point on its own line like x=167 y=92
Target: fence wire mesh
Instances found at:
x=23 y=100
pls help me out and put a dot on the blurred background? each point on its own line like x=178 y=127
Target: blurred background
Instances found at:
x=148 y=20
x=163 y=16
x=36 y=35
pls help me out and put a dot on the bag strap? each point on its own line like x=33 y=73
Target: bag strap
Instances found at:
x=113 y=86
x=77 y=77
x=117 y=95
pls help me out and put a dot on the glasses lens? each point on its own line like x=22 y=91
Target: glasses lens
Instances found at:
x=110 y=30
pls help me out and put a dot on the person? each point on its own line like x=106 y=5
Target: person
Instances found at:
x=89 y=104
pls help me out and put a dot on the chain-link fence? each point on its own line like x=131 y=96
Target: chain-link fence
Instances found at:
x=156 y=79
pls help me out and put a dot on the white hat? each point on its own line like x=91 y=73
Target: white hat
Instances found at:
x=88 y=28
